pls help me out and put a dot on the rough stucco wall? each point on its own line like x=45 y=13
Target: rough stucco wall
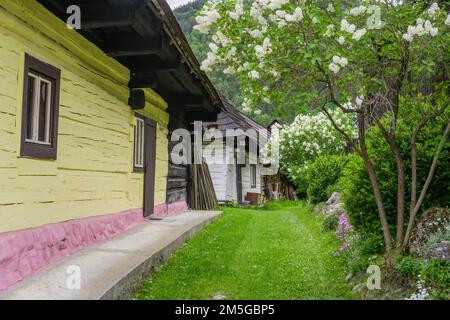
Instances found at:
x=93 y=173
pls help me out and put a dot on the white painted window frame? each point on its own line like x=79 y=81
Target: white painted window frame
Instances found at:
x=253 y=176
x=139 y=128
x=35 y=109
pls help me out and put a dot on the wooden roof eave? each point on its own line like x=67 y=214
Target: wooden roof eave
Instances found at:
x=144 y=18
x=180 y=41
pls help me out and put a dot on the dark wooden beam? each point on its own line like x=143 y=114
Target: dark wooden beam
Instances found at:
x=142 y=81
x=177 y=99
x=187 y=80
x=58 y=7
x=184 y=108
x=136 y=100
x=109 y=16
x=151 y=66
x=129 y=46
x=202 y=116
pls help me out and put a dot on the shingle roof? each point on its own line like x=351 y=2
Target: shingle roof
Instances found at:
x=229 y=118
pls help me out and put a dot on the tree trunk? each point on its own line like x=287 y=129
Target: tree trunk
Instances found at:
x=416 y=131
x=400 y=186
x=400 y=197
x=374 y=183
x=425 y=187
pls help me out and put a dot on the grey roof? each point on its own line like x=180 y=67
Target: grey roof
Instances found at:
x=229 y=118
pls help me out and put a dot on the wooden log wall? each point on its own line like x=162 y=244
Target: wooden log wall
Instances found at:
x=177 y=177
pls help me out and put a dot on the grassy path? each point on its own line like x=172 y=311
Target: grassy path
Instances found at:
x=277 y=253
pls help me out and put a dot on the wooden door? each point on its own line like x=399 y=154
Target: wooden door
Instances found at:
x=149 y=170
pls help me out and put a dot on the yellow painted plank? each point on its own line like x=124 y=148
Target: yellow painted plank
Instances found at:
x=93 y=173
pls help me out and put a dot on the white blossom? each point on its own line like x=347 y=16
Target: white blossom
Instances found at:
x=262 y=21
x=276 y=4
x=238 y=11
x=341 y=40
x=330 y=7
x=408 y=37
x=433 y=32
x=296 y=17
x=421 y=28
x=330 y=30
x=256 y=34
x=221 y=38
x=447 y=21
x=345 y=26
x=213 y=47
x=358 y=10
x=208 y=62
x=359 y=100
x=229 y=70
x=280 y=13
x=253 y=74
x=374 y=21
x=422 y=292
x=340 y=61
x=275 y=74
x=333 y=67
x=433 y=9
x=358 y=34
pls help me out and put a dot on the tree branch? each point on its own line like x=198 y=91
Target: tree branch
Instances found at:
x=426 y=185
x=416 y=131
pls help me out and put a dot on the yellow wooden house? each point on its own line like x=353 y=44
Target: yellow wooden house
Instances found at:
x=85 y=116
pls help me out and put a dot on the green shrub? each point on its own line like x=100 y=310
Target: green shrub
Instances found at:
x=322 y=176
x=331 y=222
x=363 y=249
x=436 y=274
x=409 y=266
x=355 y=185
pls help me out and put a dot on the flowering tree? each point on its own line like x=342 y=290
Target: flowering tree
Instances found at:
x=308 y=137
x=357 y=56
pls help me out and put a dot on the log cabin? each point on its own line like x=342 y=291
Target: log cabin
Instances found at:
x=236 y=181
x=85 y=116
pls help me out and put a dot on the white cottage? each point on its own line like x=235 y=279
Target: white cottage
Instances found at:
x=235 y=177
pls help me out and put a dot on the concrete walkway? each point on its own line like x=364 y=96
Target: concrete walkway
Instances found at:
x=113 y=269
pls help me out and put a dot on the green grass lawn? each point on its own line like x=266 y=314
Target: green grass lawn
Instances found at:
x=275 y=253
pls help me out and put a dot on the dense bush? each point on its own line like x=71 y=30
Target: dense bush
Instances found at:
x=436 y=274
x=331 y=222
x=306 y=139
x=355 y=185
x=362 y=250
x=408 y=266
x=322 y=175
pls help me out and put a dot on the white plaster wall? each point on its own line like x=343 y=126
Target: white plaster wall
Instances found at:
x=246 y=184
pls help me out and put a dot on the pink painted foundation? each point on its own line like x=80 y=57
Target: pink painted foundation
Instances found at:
x=24 y=252
x=163 y=210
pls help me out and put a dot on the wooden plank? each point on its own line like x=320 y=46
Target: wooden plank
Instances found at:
x=122 y=46
x=143 y=81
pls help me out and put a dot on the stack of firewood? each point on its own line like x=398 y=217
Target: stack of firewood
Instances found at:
x=201 y=194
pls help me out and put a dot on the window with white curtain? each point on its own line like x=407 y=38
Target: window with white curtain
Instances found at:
x=139 y=128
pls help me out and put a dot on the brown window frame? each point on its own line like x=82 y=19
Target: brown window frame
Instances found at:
x=138 y=169
x=30 y=149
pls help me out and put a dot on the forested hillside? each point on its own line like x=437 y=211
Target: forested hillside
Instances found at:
x=227 y=84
